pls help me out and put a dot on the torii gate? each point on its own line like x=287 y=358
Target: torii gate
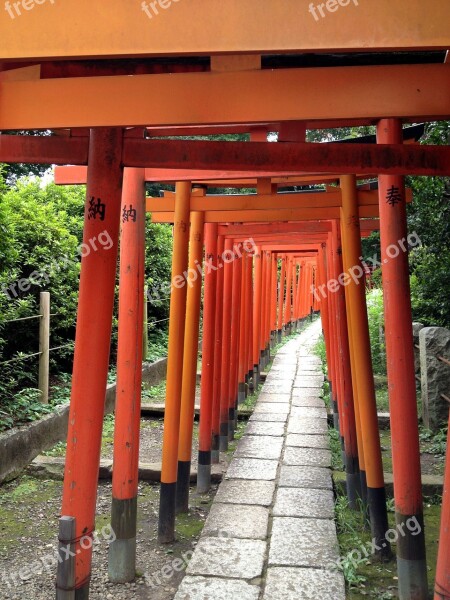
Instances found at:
x=52 y=88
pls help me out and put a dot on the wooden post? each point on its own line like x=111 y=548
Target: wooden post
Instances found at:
x=65 y=577
x=190 y=357
x=356 y=306
x=122 y=551
x=227 y=302
x=169 y=471
x=44 y=345
x=411 y=554
x=215 y=446
x=205 y=435
x=92 y=343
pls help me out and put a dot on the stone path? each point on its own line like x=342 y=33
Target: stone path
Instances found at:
x=270 y=534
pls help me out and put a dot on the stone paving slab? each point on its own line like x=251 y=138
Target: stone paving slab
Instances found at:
x=308 y=401
x=228 y=557
x=202 y=588
x=251 y=446
x=262 y=428
x=314 y=457
x=237 y=521
x=269 y=417
x=238 y=491
x=299 y=502
x=306 y=391
x=252 y=468
x=309 y=412
x=309 y=374
x=302 y=425
x=274 y=397
x=287 y=583
x=303 y=440
x=277 y=388
x=272 y=407
x=308 y=382
x=303 y=543
x=305 y=477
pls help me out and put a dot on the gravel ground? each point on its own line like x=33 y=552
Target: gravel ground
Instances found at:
x=29 y=512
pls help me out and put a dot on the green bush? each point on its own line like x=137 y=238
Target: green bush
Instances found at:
x=376 y=329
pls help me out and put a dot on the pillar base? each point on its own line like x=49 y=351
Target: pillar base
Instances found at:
x=215 y=457
x=122 y=561
x=204 y=472
x=241 y=393
x=223 y=443
x=167 y=503
x=231 y=424
x=82 y=593
x=412 y=579
x=255 y=376
x=122 y=551
x=183 y=481
x=279 y=335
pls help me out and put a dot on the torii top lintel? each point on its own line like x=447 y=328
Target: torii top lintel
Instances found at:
x=53 y=29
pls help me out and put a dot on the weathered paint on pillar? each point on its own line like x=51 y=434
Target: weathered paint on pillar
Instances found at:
x=92 y=343
x=411 y=557
x=122 y=551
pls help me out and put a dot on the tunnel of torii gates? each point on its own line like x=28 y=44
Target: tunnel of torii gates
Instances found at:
x=111 y=94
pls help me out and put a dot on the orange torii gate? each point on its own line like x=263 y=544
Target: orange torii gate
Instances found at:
x=53 y=87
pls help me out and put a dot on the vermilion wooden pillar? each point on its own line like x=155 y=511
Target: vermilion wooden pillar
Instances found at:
x=243 y=330
x=257 y=289
x=351 y=249
x=234 y=348
x=274 y=297
x=262 y=314
x=351 y=462
x=411 y=559
x=249 y=345
x=205 y=436
x=215 y=449
x=227 y=300
x=333 y=372
x=190 y=359
x=122 y=551
x=288 y=299
x=92 y=344
x=169 y=472
x=281 y=297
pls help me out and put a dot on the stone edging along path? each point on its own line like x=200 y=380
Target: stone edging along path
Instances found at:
x=19 y=446
x=271 y=534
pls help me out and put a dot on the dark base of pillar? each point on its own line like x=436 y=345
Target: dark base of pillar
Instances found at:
x=122 y=551
x=255 y=376
x=376 y=500
x=231 y=424
x=183 y=481
x=363 y=477
x=167 y=502
x=215 y=457
x=82 y=593
x=279 y=335
x=250 y=381
x=223 y=444
x=241 y=393
x=204 y=472
x=353 y=482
